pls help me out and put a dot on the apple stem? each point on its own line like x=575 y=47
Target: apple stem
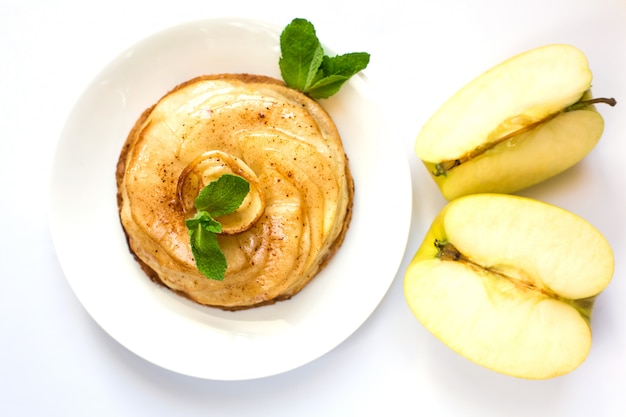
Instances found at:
x=584 y=103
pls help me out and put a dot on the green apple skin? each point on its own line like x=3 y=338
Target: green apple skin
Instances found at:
x=519 y=296
x=527 y=94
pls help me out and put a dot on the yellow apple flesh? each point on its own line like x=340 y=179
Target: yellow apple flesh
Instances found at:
x=512 y=127
x=509 y=283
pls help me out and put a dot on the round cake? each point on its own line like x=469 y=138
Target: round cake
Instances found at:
x=283 y=143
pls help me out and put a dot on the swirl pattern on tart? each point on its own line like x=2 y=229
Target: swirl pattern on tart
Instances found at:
x=288 y=148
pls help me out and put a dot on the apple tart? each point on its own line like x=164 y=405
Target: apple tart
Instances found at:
x=294 y=217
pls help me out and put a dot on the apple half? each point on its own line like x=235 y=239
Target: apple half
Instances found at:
x=521 y=122
x=509 y=283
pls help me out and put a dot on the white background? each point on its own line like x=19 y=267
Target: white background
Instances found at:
x=55 y=360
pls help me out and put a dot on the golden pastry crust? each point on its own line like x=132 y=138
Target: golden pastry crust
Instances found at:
x=239 y=123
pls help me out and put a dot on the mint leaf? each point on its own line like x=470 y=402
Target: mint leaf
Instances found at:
x=327 y=86
x=204 y=219
x=336 y=71
x=207 y=253
x=223 y=196
x=305 y=67
x=346 y=64
x=301 y=54
x=220 y=197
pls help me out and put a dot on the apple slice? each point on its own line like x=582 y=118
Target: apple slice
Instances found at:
x=523 y=121
x=510 y=283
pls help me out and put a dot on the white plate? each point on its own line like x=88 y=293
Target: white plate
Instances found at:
x=166 y=329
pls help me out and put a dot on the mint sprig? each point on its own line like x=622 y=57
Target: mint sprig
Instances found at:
x=305 y=67
x=219 y=198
